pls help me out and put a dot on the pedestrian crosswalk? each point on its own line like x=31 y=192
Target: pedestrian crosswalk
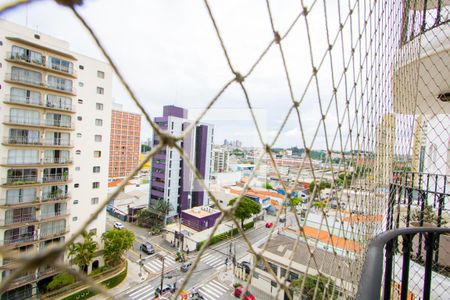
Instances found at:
x=213 y=261
x=143 y=292
x=212 y=290
x=155 y=265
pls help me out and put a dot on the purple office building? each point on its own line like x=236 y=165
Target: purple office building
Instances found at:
x=172 y=180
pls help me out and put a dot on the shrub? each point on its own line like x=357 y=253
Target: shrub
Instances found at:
x=59 y=281
x=224 y=235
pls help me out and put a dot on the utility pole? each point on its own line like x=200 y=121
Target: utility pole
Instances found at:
x=162 y=272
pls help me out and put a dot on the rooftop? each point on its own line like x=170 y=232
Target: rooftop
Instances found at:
x=201 y=211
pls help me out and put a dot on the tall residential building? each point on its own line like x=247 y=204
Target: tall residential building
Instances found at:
x=125 y=142
x=171 y=179
x=220 y=160
x=56 y=115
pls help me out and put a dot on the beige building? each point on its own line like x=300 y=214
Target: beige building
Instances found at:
x=56 y=114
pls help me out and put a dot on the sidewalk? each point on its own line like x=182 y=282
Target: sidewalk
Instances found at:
x=130 y=281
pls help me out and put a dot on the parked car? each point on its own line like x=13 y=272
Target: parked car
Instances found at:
x=186 y=266
x=118 y=225
x=238 y=292
x=246 y=266
x=147 y=248
x=269 y=225
x=283 y=220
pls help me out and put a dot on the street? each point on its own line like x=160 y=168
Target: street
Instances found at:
x=209 y=277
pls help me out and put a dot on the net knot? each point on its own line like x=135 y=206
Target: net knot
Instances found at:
x=277 y=37
x=239 y=78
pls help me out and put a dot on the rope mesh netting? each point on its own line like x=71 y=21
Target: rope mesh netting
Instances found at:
x=376 y=77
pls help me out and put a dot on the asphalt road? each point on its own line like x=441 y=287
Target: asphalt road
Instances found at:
x=212 y=263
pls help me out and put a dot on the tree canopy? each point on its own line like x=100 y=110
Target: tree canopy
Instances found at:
x=82 y=253
x=325 y=287
x=116 y=243
x=322 y=185
x=246 y=208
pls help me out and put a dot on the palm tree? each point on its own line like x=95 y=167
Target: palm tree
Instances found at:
x=82 y=253
x=161 y=208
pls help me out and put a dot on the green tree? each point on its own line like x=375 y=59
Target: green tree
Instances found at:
x=246 y=208
x=294 y=201
x=161 y=209
x=268 y=186
x=315 y=287
x=83 y=252
x=116 y=243
x=322 y=185
x=429 y=216
x=146 y=218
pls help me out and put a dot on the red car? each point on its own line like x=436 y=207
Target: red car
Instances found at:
x=269 y=225
x=238 y=292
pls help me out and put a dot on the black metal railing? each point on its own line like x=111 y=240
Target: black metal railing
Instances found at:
x=377 y=282
x=420 y=17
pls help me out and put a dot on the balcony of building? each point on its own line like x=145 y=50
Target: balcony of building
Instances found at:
x=411 y=259
x=19 y=180
x=25 y=101
x=56 y=178
x=28 y=81
x=22 y=141
x=423 y=59
x=16 y=220
x=37 y=122
x=42 y=63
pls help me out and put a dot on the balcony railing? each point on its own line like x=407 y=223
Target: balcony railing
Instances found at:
x=26 y=58
x=15 y=161
x=60 y=213
x=18 y=202
x=21 y=140
x=39 y=122
x=38 y=102
x=24 y=79
x=416 y=276
x=58 y=142
x=40 y=63
x=18 y=220
x=18 y=180
x=55 y=178
x=23 y=100
x=57 y=160
x=21 y=78
x=421 y=17
x=54 y=196
x=19 y=239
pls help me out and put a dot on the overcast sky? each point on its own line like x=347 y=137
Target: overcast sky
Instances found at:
x=170 y=54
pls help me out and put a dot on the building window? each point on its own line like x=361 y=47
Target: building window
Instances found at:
x=100 y=90
x=95 y=185
x=98 y=138
x=100 y=74
x=80 y=101
x=76 y=185
x=97 y=153
x=99 y=122
x=78 y=152
x=75 y=202
x=93 y=230
x=77 y=168
x=80 y=84
x=75 y=219
x=96 y=169
x=81 y=67
x=99 y=106
x=79 y=118
x=273 y=283
x=94 y=200
x=79 y=135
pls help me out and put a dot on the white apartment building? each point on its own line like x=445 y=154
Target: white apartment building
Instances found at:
x=55 y=127
x=220 y=160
